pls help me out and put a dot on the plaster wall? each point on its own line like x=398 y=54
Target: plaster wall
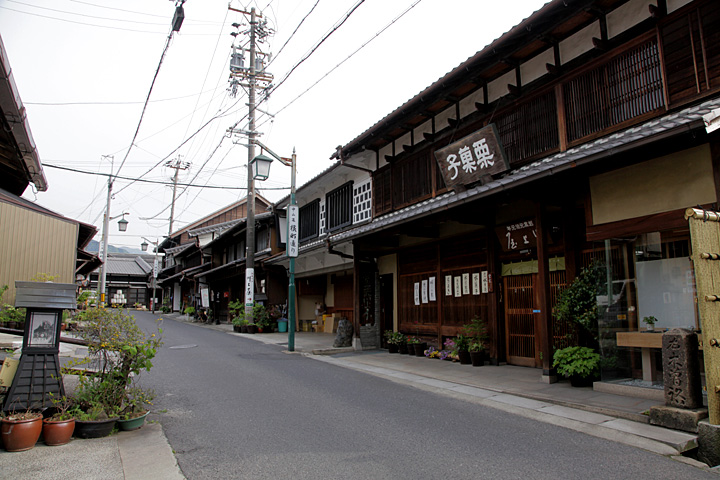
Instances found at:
x=535 y=67
x=498 y=87
x=667 y=183
x=673 y=5
x=627 y=16
x=579 y=43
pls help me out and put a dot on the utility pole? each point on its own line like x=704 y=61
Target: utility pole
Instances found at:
x=177 y=165
x=258 y=31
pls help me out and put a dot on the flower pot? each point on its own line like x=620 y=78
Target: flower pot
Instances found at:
x=19 y=435
x=477 y=358
x=392 y=348
x=252 y=328
x=13 y=325
x=464 y=357
x=94 y=428
x=133 y=423
x=403 y=348
x=282 y=326
x=237 y=329
x=57 y=432
x=578 y=381
x=420 y=349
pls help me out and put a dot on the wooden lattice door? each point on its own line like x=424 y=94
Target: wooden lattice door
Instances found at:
x=520 y=342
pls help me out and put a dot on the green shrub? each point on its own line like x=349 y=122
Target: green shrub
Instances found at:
x=582 y=361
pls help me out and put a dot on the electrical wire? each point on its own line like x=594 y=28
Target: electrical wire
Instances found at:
x=53 y=104
x=293 y=33
x=82 y=14
x=157 y=182
x=312 y=50
x=349 y=56
x=79 y=23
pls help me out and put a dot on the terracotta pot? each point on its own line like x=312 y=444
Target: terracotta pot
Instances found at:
x=19 y=435
x=57 y=432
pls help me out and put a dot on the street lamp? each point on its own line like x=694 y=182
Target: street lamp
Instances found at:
x=122 y=226
x=291 y=242
x=144 y=247
x=260 y=167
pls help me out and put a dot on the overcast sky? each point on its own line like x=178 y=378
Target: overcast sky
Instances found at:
x=84 y=69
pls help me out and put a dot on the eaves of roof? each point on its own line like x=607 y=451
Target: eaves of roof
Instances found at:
x=653 y=130
x=179 y=249
x=215 y=228
x=237 y=227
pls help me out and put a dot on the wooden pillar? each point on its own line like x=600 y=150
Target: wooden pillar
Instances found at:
x=440 y=296
x=543 y=321
x=356 y=297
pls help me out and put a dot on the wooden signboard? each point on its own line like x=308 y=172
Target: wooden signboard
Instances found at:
x=517 y=236
x=469 y=159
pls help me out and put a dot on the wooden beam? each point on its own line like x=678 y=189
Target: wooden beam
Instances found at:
x=544 y=329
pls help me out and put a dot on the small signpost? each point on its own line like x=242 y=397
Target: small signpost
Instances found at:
x=38 y=377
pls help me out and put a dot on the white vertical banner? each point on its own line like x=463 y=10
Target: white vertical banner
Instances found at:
x=466 y=284
x=448 y=285
x=424 y=291
x=155 y=268
x=293 y=244
x=458 y=287
x=485 y=286
x=249 y=290
x=476 y=284
x=431 y=287
x=417 y=293
x=205 y=297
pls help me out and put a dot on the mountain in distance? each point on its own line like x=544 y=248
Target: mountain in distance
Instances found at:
x=94 y=246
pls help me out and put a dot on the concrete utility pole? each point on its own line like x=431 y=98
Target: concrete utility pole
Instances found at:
x=177 y=165
x=252 y=74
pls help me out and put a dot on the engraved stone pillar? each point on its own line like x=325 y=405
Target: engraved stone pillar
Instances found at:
x=681 y=370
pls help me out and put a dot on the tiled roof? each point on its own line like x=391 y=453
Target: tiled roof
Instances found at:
x=218 y=227
x=178 y=249
x=127 y=266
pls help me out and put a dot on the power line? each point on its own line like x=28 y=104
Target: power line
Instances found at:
x=114 y=103
x=157 y=182
x=350 y=56
x=327 y=35
x=82 y=14
x=293 y=33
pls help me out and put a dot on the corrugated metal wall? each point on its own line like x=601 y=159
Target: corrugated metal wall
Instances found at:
x=33 y=243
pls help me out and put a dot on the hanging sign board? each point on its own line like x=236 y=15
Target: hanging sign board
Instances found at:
x=469 y=159
x=517 y=236
x=293 y=245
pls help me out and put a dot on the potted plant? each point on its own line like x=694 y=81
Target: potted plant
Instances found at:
x=393 y=340
x=136 y=409
x=20 y=430
x=462 y=349
x=650 y=322
x=119 y=351
x=477 y=354
x=580 y=364
x=401 y=339
x=58 y=423
x=189 y=312
x=476 y=330
x=411 y=341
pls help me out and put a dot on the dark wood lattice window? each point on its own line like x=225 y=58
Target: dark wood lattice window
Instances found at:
x=382 y=190
x=691 y=51
x=412 y=179
x=530 y=129
x=338 y=205
x=626 y=87
x=310 y=220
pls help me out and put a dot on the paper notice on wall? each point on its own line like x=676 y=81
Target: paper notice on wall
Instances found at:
x=458 y=287
x=476 y=284
x=417 y=293
x=424 y=291
x=431 y=287
x=485 y=282
x=466 y=283
x=448 y=285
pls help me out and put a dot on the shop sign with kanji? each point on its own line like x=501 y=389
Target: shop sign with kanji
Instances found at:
x=469 y=159
x=520 y=235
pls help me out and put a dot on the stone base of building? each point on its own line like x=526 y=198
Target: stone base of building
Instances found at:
x=677 y=418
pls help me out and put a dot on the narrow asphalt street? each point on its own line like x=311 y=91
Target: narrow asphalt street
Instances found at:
x=234 y=408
